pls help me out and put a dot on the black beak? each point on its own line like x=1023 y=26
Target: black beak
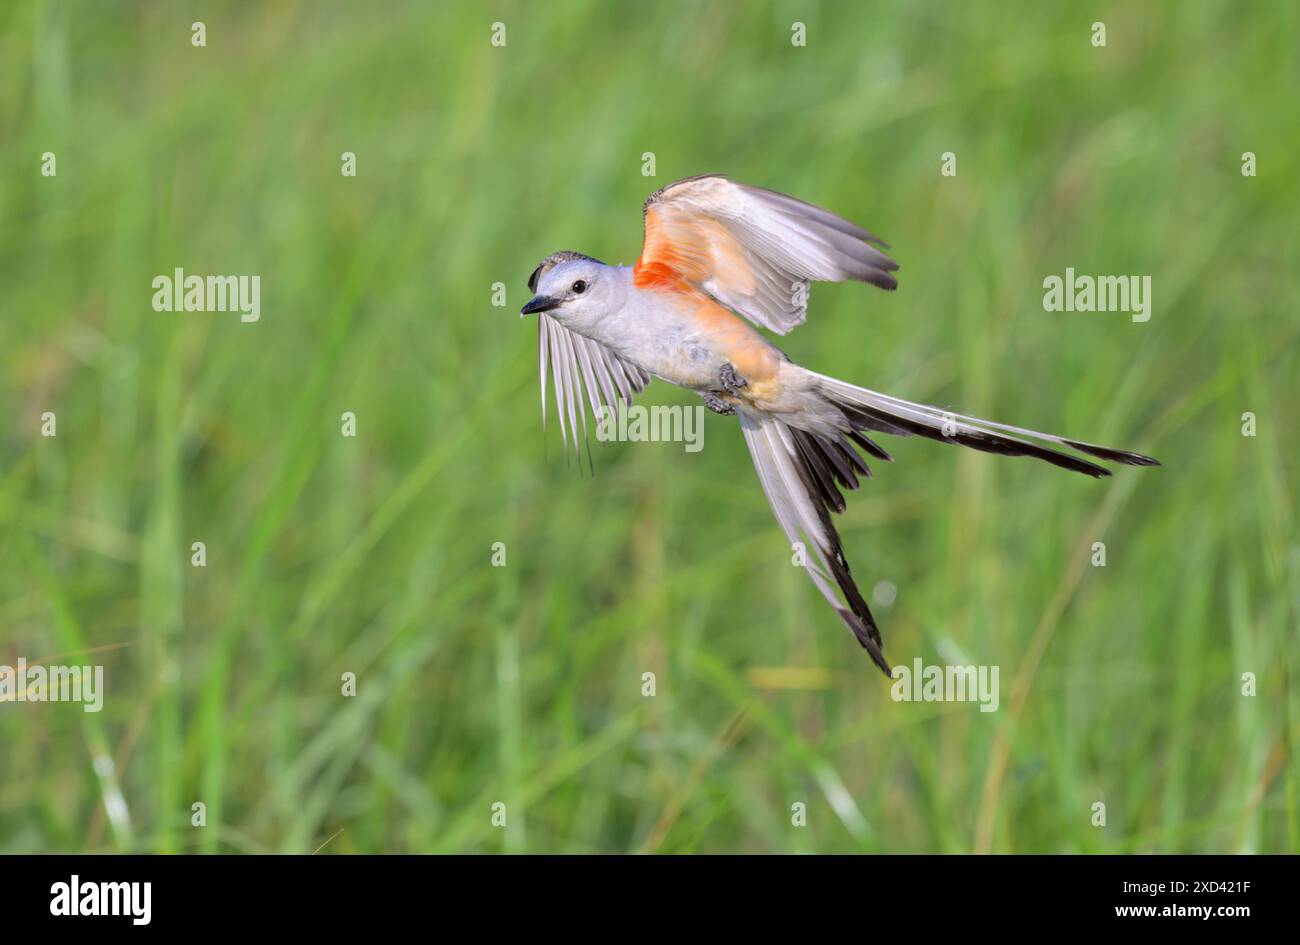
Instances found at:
x=539 y=303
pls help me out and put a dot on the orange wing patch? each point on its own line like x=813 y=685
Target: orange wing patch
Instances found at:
x=686 y=246
x=755 y=251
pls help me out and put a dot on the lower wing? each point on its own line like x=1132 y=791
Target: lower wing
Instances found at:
x=576 y=363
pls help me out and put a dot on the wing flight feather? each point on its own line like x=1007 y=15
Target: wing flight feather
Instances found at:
x=754 y=250
x=579 y=365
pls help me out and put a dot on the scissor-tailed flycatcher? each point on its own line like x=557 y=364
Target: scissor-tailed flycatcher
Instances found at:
x=718 y=259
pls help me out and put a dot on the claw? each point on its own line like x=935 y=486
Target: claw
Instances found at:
x=731 y=381
x=717 y=404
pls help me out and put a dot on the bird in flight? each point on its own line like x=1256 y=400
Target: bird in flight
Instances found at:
x=720 y=260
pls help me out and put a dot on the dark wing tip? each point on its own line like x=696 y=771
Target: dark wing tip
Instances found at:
x=881 y=280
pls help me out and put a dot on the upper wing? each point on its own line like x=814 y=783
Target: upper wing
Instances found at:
x=753 y=250
x=576 y=362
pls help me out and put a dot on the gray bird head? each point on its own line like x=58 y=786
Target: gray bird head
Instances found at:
x=573 y=288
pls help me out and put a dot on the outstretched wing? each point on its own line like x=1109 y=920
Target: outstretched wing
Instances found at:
x=576 y=362
x=754 y=250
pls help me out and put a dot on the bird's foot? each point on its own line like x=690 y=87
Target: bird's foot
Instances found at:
x=731 y=381
x=715 y=403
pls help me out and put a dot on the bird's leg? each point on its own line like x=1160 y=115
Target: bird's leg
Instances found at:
x=731 y=381
x=717 y=404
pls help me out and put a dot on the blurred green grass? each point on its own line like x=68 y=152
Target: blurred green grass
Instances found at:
x=522 y=684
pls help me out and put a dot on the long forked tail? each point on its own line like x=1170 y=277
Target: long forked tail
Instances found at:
x=802 y=473
x=868 y=410
x=798 y=471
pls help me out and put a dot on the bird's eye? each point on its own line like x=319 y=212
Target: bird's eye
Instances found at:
x=579 y=287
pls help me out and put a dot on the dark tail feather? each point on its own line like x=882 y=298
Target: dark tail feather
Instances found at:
x=869 y=410
x=802 y=474
x=1126 y=457
x=810 y=445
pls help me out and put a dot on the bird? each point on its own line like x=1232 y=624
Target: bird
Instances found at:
x=719 y=261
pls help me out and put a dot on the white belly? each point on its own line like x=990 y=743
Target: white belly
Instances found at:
x=663 y=342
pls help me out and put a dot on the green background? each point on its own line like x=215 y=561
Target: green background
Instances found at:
x=522 y=684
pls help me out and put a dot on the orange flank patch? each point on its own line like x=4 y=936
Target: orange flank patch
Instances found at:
x=684 y=249
x=748 y=352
